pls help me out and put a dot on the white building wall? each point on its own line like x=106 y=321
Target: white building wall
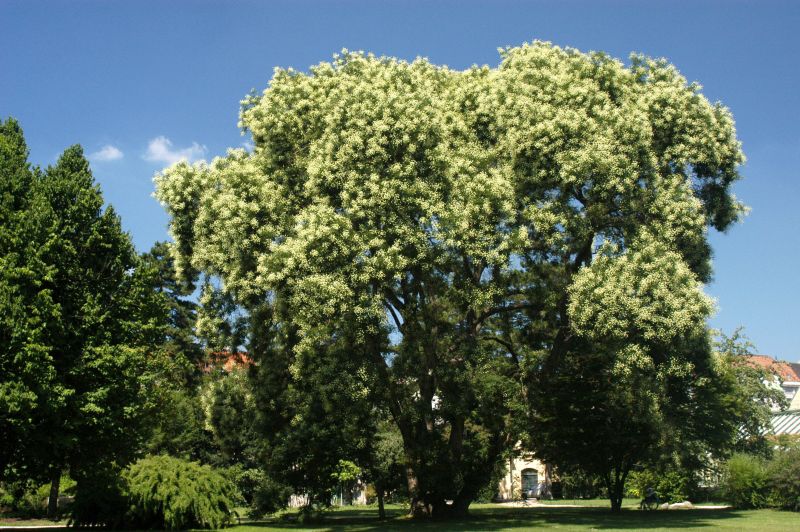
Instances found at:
x=510 y=487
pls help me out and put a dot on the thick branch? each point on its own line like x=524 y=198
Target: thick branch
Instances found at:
x=505 y=308
x=394 y=315
x=584 y=255
x=509 y=347
x=394 y=300
x=393 y=402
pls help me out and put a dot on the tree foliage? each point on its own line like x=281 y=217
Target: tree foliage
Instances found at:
x=471 y=239
x=79 y=322
x=385 y=464
x=313 y=414
x=232 y=416
x=750 y=393
x=27 y=380
x=180 y=344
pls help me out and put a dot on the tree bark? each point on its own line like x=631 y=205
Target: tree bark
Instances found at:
x=52 y=501
x=419 y=507
x=615 y=482
x=381 y=509
x=547 y=493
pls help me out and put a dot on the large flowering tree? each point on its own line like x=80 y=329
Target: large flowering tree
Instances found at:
x=441 y=227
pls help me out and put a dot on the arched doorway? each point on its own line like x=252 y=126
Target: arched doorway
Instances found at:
x=530 y=483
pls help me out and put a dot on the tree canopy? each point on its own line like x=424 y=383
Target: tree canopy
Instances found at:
x=468 y=237
x=80 y=322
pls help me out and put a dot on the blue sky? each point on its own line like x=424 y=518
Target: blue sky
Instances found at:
x=141 y=83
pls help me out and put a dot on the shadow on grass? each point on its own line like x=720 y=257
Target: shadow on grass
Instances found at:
x=513 y=518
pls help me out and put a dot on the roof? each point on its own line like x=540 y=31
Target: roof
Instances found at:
x=227 y=360
x=785 y=370
x=786 y=422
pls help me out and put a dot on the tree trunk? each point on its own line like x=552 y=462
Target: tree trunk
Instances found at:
x=52 y=501
x=615 y=482
x=460 y=506
x=381 y=509
x=547 y=492
x=419 y=507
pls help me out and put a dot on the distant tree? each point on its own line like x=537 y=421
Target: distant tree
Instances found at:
x=432 y=223
x=313 y=414
x=750 y=394
x=232 y=416
x=222 y=324
x=385 y=466
x=181 y=346
x=179 y=426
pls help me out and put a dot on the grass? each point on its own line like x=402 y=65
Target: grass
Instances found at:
x=591 y=515
x=494 y=517
x=595 y=503
x=603 y=503
x=24 y=522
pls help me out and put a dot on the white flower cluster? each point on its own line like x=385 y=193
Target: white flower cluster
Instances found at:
x=367 y=170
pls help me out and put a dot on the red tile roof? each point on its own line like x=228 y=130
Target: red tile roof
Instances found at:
x=227 y=360
x=785 y=370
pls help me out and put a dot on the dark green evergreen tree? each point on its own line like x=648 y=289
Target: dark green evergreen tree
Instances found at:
x=181 y=345
x=28 y=383
x=83 y=325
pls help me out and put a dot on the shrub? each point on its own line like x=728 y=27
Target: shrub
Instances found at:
x=167 y=492
x=489 y=492
x=99 y=500
x=746 y=481
x=671 y=484
x=578 y=485
x=784 y=480
x=639 y=481
x=6 y=499
x=269 y=496
x=675 y=485
x=28 y=498
x=245 y=480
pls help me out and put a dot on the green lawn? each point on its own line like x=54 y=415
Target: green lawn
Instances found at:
x=603 y=503
x=22 y=523
x=592 y=515
x=493 y=517
x=596 y=503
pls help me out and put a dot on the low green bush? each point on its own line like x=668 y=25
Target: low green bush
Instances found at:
x=25 y=498
x=578 y=485
x=170 y=493
x=671 y=485
x=784 y=480
x=28 y=499
x=6 y=499
x=99 y=500
x=638 y=483
x=269 y=496
x=746 y=481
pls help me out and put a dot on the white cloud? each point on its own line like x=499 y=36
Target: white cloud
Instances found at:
x=107 y=153
x=159 y=150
